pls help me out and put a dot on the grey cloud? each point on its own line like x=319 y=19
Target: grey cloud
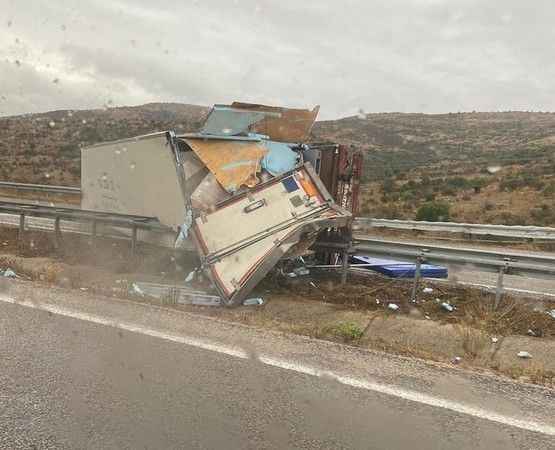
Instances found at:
x=395 y=55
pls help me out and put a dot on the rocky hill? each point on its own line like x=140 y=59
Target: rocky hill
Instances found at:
x=490 y=167
x=44 y=148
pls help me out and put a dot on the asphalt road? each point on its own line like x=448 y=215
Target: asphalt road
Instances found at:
x=87 y=372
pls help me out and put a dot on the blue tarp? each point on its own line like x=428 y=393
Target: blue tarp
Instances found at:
x=279 y=159
x=399 y=269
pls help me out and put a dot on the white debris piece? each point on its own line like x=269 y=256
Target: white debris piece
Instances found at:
x=257 y=301
x=427 y=290
x=530 y=332
x=494 y=340
x=524 y=355
x=378 y=301
x=301 y=271
x=393 y=307
x=137 y=290
x=190 y=276
x=457 y=359
x=9 y=273
x=447 y=307
x=427 y=317
x=551 y=313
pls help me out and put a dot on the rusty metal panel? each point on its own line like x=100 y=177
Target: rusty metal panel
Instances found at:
x=233 y=163
x=293 y=125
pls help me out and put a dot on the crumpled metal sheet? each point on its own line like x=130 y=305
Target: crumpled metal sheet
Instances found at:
x=233 y=163
x=208 y=194
x=228 y=121
x=292 y=125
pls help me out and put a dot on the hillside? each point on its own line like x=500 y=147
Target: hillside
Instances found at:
x=489 y=167
x=44 y=148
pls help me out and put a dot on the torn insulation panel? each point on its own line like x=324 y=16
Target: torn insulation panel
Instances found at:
x=233 y=163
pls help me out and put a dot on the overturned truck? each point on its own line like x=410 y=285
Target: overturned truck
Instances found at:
x=245 y=192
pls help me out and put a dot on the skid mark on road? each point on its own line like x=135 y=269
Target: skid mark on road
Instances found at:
x=394 y=391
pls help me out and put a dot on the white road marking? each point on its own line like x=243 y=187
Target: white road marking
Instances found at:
x=237 y=352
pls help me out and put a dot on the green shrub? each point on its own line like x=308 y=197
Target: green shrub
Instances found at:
x=348 y=331
x=434 y=212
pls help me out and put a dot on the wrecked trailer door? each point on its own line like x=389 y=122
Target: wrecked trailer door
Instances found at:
x=245 y=236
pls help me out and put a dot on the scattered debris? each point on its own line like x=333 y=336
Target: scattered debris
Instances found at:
x=494 y=340
x=427 y=317
x=257 y=301
x=427 y=290
x=531 y=332
x=551 y=313
x=393 y=306
x=9 y=273
x=137 y=290
x=447 y=307
x=456 y=360
x=378 y=301
x=524 y=355
x=302 y=271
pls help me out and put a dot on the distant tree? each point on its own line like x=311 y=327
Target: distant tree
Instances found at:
x=433 y=212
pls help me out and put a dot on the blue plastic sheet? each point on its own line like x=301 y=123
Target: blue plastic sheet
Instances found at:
x=279 y=159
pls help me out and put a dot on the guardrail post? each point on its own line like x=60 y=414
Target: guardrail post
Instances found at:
x=499 y=287
x=417 y=273
x=93 y=231
x=21 y=232
x=344 y=266
x=134 y=239
x=57 y=233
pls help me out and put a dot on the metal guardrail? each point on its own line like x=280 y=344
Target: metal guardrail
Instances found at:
x=44 y=215
x=516 y=231
x=504 y=262
x=40 y=188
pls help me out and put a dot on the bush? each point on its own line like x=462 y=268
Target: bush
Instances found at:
x=433 y=212
x=348 y=331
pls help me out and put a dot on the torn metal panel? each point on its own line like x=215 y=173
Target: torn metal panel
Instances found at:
x=268 y=222
x=228 y=121
x=208 y=194
x=233 y=163
x=291 y=125
x=194 y=171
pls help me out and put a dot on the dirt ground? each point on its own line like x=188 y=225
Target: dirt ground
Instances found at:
x=473 y=334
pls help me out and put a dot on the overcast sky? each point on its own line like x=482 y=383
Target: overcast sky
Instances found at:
x=387 y=55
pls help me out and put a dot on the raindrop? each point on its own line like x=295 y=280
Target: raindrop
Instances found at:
x=51 y=124
x=83 y=121
x=124 y=149
x=117 y=152
x=104 y=177
x=132 y=166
